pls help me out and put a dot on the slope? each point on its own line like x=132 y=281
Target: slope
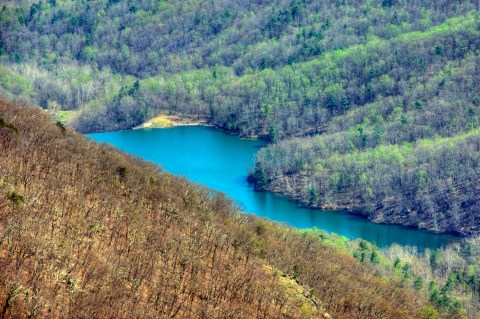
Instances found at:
x=87 y=231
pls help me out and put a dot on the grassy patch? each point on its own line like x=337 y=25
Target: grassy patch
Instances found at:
x=65 y=117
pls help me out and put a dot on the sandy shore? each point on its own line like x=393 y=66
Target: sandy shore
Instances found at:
x=164 y=120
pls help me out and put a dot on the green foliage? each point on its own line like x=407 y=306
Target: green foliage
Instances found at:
x=64 y=116
x=422 y=177
x=7 y=125
x=14 y=85
x=407 y=270
x=434 y=259
x=366 y=178
x=273 y=83
x=260 y=180
x=363 y=245
x=273 y=134
x=15 y=198
x=314 y=196
x=61 y=127
x=428 y=312
x=418 y=283
x=296 y=271
x=375 y=257
x=397 y=263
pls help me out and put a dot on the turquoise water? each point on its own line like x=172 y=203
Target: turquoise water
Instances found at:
x=221 y=161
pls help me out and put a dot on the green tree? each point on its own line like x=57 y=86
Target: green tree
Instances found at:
x=428 y=312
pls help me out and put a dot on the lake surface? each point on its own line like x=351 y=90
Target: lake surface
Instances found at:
x=221 y=161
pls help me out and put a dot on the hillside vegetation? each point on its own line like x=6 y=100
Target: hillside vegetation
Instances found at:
x=325 y=82
x=89 y=232
x=430 y=184
x=280 y=68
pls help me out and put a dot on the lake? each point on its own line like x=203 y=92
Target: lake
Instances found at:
x=221 y=161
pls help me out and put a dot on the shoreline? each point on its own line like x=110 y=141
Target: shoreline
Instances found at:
x=165 y=120
x=355 y=211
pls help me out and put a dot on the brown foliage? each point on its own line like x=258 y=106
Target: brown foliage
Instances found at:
x=94 y=233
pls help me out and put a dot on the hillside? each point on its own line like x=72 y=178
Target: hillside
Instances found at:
x=277 y=69
x=430 y=184
x=87 y=231
x=324 y=82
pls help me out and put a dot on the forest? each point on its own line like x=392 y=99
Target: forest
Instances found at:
x=368 y=106
x=87 y=231
x=384 y=81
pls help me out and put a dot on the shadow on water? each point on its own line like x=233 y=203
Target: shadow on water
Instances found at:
x=220 y=161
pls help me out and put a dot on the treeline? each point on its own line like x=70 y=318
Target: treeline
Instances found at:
x=449 y=277
x=272 y=70
x=302 y=99
x=149 y=37
x=429 y=184
x=369 y=160
x=87 y=231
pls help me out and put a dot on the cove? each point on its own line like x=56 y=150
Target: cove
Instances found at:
x=220 y=161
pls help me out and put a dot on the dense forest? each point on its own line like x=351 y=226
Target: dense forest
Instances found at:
x=363 y=101
x=273 y=69
x=429 y=184
x=370 y=106
x=89 y=232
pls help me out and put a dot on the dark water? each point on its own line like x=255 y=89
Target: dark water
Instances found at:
x=220 y=161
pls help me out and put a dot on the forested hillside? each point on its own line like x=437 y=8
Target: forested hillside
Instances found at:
x=326 y=82
x=276 y=68
x=430 y=184
x=89 y=232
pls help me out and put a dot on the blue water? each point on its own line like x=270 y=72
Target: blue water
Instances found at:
x=221 y=161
